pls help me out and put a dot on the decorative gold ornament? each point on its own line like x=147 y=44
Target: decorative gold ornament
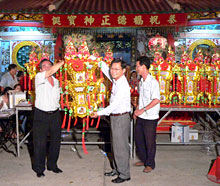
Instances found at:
x=200 y=42
x=190 y=77
x=165 y=75
x=16 y=51
x=83 y=81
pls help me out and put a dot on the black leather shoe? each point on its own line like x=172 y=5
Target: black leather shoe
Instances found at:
x=111 y=173
x=56 y=170
x=41 y=174
x=120 y=180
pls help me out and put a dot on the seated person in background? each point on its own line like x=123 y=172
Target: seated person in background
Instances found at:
x=4 y=99
x=134 y=81
x=9 y=79
x=23 y=115
x=18 y=88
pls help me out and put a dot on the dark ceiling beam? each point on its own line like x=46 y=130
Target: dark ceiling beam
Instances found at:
x=118 y=7
x=159 y=4
x=82 y=5
x=65 y=6
x=152 y=4
x=140 y=5
x=132 y=6
x=122 y=6
x=76 y=6
x=166 y=6
x=42 y=5
x=147 y=5
x=104 y=5
x=113 y=6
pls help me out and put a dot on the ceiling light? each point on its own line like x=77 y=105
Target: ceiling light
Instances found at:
x=51 y=7
x=176 y=6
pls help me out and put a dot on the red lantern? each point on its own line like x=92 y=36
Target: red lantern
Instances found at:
x=157 y=43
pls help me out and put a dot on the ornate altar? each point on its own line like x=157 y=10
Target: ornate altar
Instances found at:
x=211 y=71
x=164 y=76
x=190 y=77
x=176 y=90
x=216 y=83
x=82 y=89
x=158 y=59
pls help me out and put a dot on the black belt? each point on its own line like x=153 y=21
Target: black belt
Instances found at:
x=119 y=114
x=48 y=112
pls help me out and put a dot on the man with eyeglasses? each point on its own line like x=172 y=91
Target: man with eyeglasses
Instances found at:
x=119 y=111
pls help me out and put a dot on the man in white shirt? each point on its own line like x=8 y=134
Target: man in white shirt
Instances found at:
x=147 y=114
x=46 y=118
x=9 y=79
x=119 y=111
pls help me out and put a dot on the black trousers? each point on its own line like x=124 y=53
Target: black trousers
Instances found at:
x=45 y=124
x=145 y=139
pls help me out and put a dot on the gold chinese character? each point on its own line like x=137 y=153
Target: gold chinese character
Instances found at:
x=56 y=20
x=105 y=20
x=172 y=19
x=122 y=20
x=154 y=19
x=89 y=20
x=138 y=20
x=71 y=19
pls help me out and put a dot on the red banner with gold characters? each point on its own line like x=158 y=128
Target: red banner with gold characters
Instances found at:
x=115 y=20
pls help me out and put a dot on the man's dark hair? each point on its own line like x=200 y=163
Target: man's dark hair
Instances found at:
x=43 y=60
x=144 y=60
x=117 y=60
x=12 y=66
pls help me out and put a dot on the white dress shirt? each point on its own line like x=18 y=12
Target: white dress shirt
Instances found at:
x=47 y=96
x=148 y=91
x=8 y=81
x=120 y=100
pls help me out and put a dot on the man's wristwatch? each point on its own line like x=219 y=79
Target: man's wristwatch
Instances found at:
x=145 y=109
